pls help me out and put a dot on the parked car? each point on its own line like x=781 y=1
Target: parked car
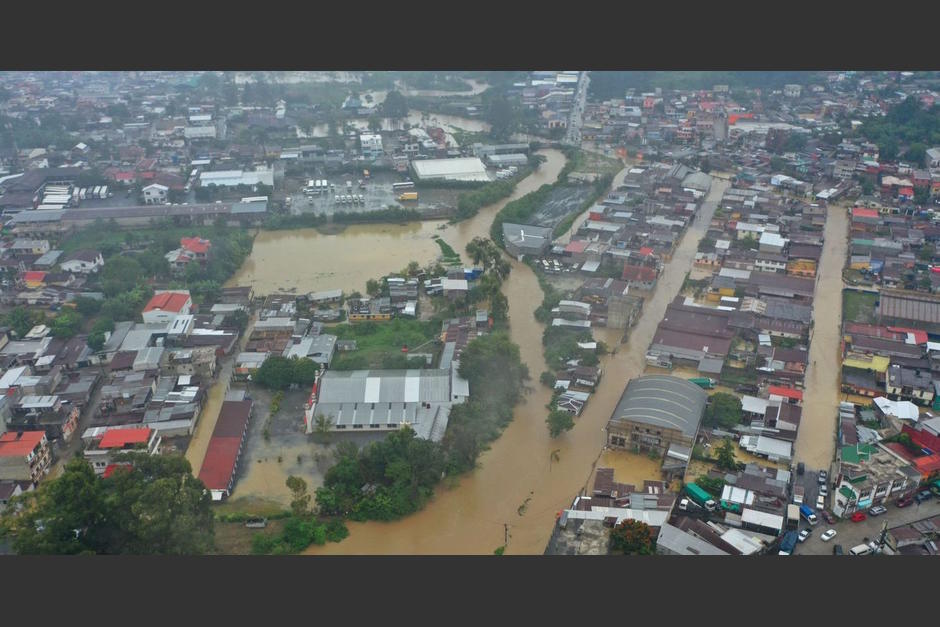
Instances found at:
x=877 y=510
x=823 y=490
x=837 y=550
x=904 y=501
x=858 y=517
x=747 y=389
x=822 y=476
x=804 y=533
x=828 y=517
x=923 y=495
x=828 y=535
x=800 y=468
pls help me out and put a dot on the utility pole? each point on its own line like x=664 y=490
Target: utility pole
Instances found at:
x=505 y=534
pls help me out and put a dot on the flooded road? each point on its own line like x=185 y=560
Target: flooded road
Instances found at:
x=199 y=443
x=307 y=260
x=815 y=442
x=526 y=477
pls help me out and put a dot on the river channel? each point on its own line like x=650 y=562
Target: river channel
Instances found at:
x=526 y=477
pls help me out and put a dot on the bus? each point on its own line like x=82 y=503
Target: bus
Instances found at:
x=402 y=186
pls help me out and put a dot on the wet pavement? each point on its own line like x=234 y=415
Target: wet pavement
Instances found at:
x=850 y=534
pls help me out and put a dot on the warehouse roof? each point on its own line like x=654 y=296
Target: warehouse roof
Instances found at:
x=663 y=401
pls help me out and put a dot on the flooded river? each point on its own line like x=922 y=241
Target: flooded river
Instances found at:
x=526 y=477
x=449 y=123
x=815 y=443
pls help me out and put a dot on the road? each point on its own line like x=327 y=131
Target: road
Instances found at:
x=573 y=135
x=815 y=442
x=850 y=534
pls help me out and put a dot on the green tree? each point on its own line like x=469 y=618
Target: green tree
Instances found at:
x=501 y=116
x=373 y=288
x=240 y=319
x=723 y=410
x=632 y=537
x=66 y=324
x=21 y=320
x=276 y=373
x=151 y=506
x=120 y=274
x=725 y=458
x=395 y=105
x=300 y=498
x=559 y=421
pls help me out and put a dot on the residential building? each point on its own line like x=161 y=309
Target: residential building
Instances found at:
x=166 y=305
x=83 y=262
x=113 y=443
x=155 y=194
x=24 y=455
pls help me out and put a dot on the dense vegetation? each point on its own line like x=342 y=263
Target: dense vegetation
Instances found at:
x=723 y=410
x=558 y=422
x=469 y=203
x=632 y=537
x=279 y=373
x=561 y=344
x=153 y=507
x=907 y=124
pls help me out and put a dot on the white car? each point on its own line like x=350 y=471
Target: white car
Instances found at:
x=804 y=533
x=828 y=535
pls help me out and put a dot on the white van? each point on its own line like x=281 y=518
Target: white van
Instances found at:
x=861 y=549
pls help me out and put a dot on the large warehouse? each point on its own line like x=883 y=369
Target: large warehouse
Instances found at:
x=461 y=169
x=656 y=411
x=383 y=400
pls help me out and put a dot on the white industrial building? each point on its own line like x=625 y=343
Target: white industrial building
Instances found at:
x=460 y=169
x=233 y=178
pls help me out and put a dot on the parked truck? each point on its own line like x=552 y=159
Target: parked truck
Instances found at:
x=704 y=382
x=728 y=506
x=408 y=196
x=807 y=513
x=798 y=492
x=793 y=516
x=700 y=496
x=788 y=543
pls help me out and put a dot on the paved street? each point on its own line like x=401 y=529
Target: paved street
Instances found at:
x=573 y=136
x=851 y=534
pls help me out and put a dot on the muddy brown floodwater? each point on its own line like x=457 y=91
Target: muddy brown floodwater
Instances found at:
x=815 y=441
x=526 y=477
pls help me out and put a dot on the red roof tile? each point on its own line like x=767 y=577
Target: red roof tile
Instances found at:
x=928 y=464
x=119 y=438
x=14 y=444
x=34 y=275
x=785 y=392
x=195 y=244
x=638 y=273
x=167 y=301
x=577 y=246
x=862 y=212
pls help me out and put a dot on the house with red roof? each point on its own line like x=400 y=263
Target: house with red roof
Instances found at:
x=191 y=249
x=24 y=456
x=639 y=277
x=166 y=305
x=34 y=279
x=791 y=394
x=107 y=449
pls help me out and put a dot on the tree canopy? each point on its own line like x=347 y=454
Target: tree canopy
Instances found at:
x=154 y=506
x=723 y=410
x=632 y=537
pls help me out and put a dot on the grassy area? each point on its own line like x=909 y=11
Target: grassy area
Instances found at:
x=235 y=538
x=858 y=306
x=451 y=256
x=379 y=344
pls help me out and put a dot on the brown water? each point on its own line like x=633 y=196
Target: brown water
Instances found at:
x=199 y=443
x=815 y=442
x=307 y=260
x=527 y=477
